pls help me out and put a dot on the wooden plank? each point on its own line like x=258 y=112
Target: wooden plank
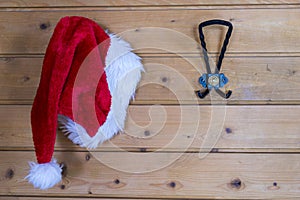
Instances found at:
x=30 y=31
x=173 y=80
x=252 y=79
x=226 y=176
x=90 y=3
x=174 y=128
x=19 y=78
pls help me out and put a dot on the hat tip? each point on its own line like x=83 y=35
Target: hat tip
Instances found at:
x=45 y=175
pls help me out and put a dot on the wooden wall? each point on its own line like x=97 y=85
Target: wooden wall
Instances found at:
x=257 y=153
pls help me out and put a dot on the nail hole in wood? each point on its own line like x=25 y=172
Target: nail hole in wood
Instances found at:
x=62 y=187
x=173 y=20
x=9 y=174
x=143 y=149
x=275 y=184
x=90 y=192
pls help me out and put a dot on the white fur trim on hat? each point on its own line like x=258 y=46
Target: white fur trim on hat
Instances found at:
x=44 y=176
x=123 y=72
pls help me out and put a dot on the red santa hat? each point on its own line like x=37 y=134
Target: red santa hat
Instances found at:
x=88 y=78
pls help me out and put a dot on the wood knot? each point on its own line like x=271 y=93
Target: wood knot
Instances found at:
x=164 y=79
x=9 y=174
x=291 y=72
x=7 y=59
x=147 y=133
x=236 y=184
x=44 y=26
x=228 y=130
x=169 y=185
x=117 y=181
x=268 y=69
x=25 y=78
x=172 y=184
x=274 y=186
x=87 y=157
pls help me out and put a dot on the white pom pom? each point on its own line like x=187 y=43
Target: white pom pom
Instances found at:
x=44 y=176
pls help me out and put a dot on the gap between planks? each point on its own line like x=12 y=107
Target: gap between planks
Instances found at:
x=164 y=54
x=116 y=3
x=155 y=150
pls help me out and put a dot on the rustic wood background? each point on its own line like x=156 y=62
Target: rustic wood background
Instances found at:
x=257 y=155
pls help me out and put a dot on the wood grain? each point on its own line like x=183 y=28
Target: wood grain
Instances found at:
x=226 y=176
x=252 y=80
x=174 y=145
x=255 y=30
x=90 y=3
x=174 y=80
x=173 y=128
